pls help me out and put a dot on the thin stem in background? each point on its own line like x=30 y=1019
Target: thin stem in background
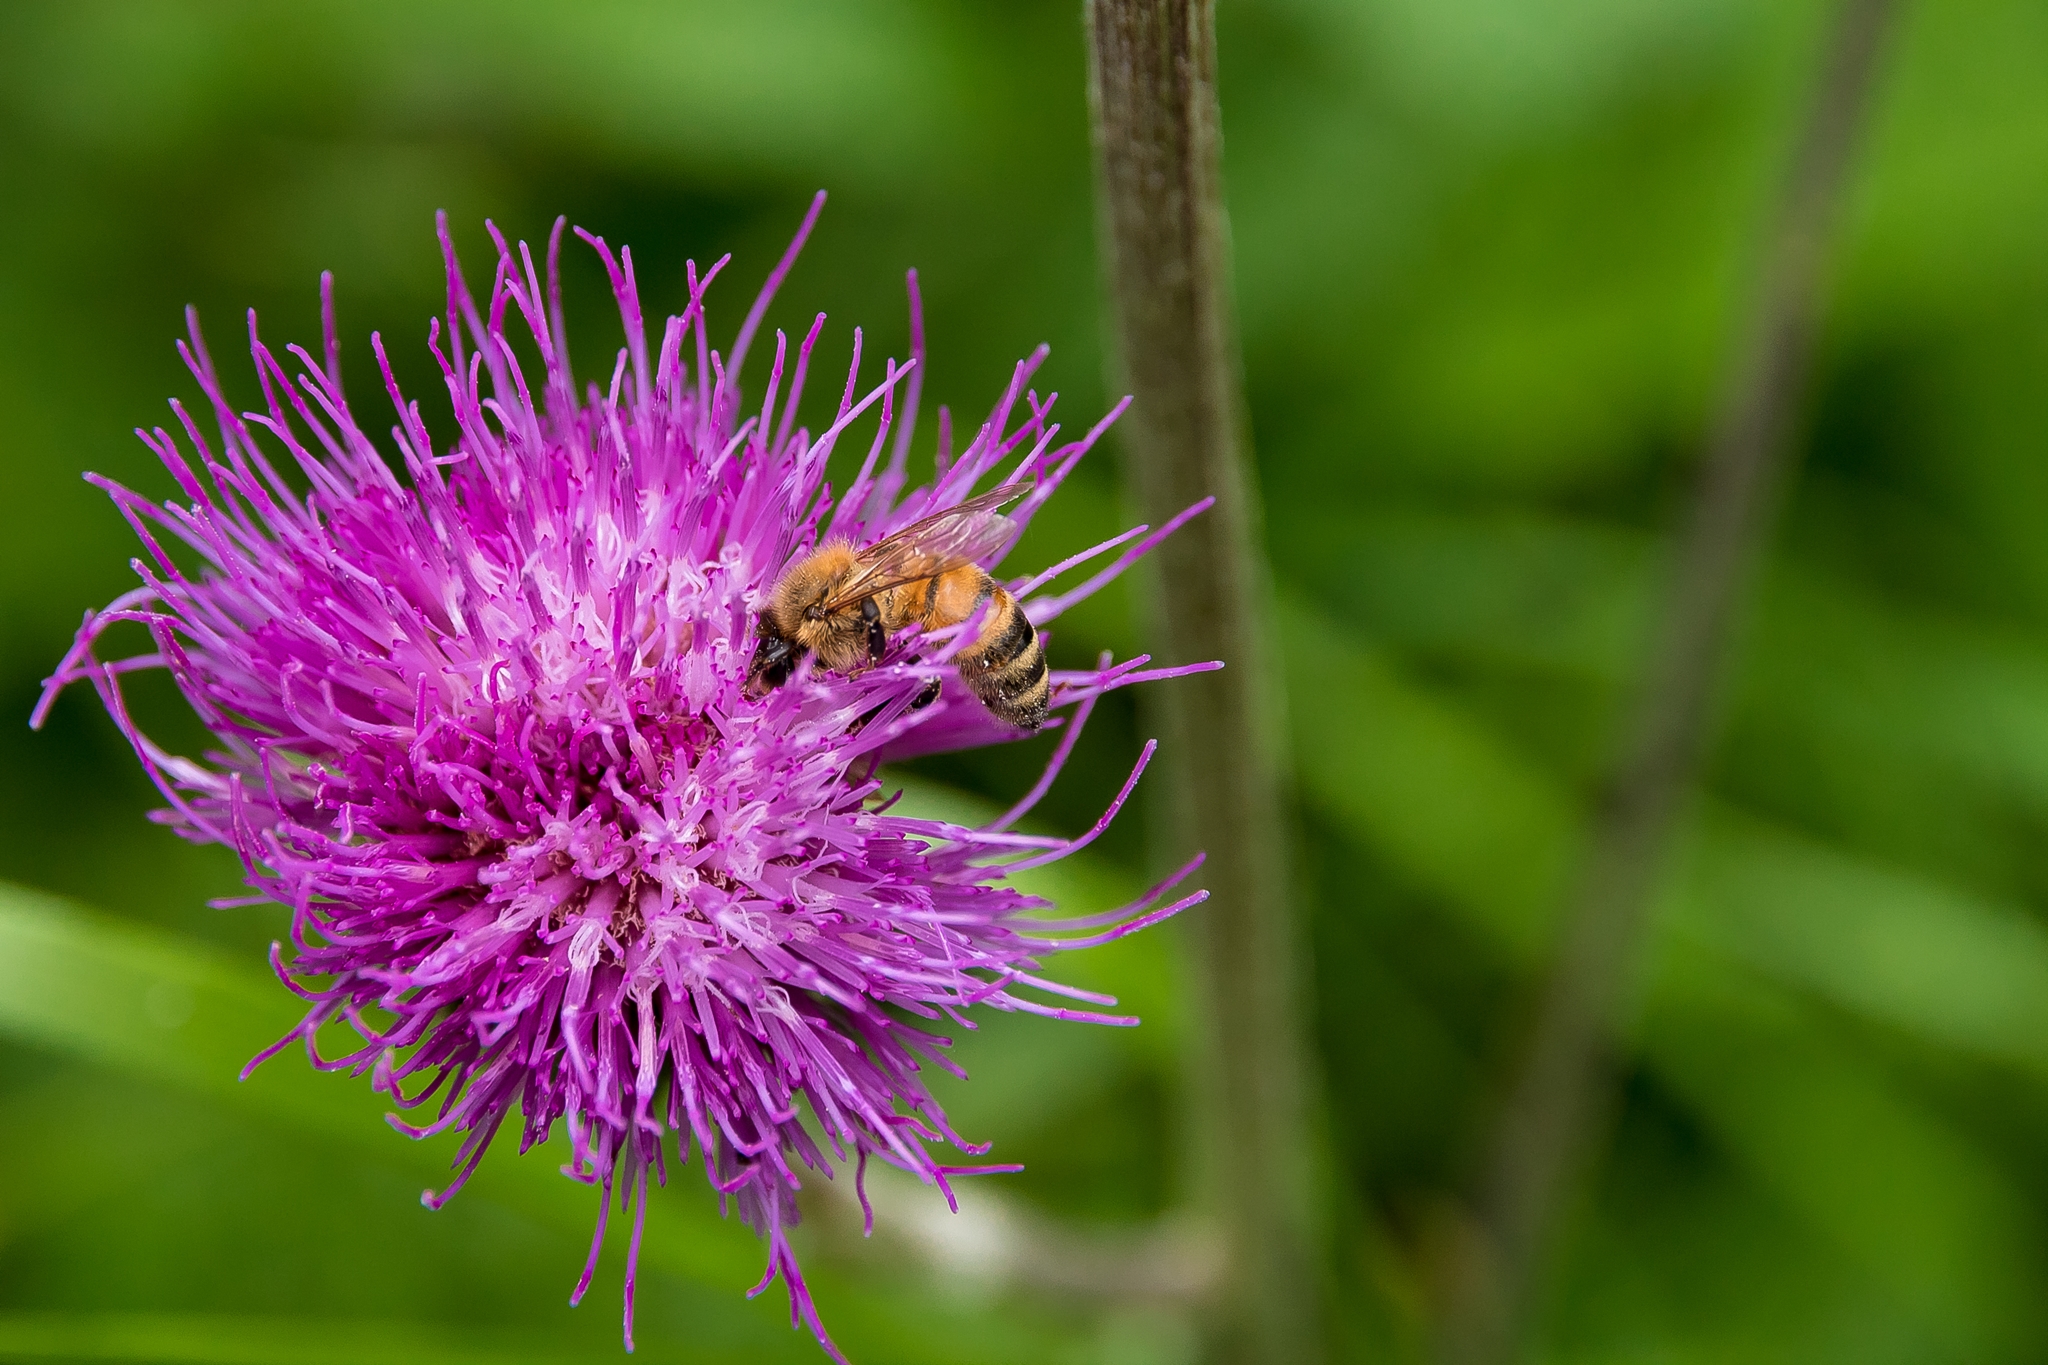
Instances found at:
x=1166 y=253
x=1555 y=1110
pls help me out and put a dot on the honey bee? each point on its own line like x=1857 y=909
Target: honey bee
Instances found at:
x=842 y=604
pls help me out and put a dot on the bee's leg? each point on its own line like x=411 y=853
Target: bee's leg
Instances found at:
x=929 y=693
x=878 y=639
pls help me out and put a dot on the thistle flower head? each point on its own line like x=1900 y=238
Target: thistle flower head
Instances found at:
x=481 y=729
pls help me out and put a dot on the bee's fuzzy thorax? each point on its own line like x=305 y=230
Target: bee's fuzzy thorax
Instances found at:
x=808 y=582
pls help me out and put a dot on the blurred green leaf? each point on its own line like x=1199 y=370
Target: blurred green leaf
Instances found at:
x=1870 y=1166
x=1421 y=785
x=176 y=1339
x=1901 y=949
x=1893 y=1186
x=1899 y=727
x=759 y=86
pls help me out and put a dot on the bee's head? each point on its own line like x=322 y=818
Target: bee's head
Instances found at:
x=775 y=657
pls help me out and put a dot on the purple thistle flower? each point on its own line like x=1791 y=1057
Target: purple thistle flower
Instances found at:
x=482 y=730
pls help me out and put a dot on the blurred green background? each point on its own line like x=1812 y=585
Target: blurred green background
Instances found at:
x=1489 y=257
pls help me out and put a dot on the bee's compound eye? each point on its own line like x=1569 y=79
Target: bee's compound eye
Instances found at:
x=770 y=668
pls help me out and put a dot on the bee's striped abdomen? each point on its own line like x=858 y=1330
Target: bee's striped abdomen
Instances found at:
x=1006 y=667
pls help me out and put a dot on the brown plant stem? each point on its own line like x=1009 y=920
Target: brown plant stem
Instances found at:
x=1559 y=1098
x=1166 y=254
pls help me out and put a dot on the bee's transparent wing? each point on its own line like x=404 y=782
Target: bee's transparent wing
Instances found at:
x=939 y=543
